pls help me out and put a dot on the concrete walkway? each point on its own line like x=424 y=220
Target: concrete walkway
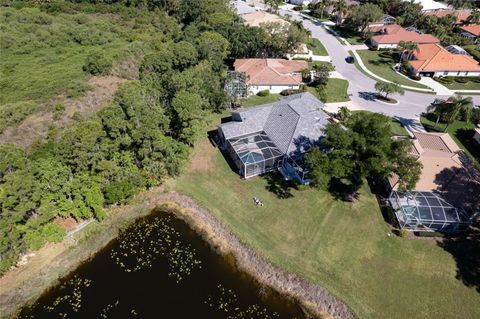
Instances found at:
x=437 y=87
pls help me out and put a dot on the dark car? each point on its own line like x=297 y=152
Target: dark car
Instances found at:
x=350 y=59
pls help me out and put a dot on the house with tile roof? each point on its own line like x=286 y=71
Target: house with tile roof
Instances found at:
x=434 y=60
x=446 y=196
x=471 y=31
x=461 y=15
x=429 y=5
x=389 y=36
x=257 y=18
x=274 y=75
x=274 y=136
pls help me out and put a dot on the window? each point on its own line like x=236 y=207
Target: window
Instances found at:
x=445 y=73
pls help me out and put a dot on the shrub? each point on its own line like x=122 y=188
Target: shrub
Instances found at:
x=97 y=64
x=414 y=77
x=263 y=93
x=290 y=92
x=403 y=233
x=461 y=80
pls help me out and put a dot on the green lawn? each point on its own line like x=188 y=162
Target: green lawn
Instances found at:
x=470 y=85
x=344 y=247
x=319 y=63
x=335 y=91
x=380 y=63
x=397 y=128
x=351 y=37
x=461 y=132
x=259 y=100
x=317 y=47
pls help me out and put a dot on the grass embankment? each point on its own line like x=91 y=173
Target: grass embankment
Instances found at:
x=316 y=47
x=341 y=246
x=381 y=63
x=461 y=132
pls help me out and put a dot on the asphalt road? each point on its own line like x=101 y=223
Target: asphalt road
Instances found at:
x=361 y=87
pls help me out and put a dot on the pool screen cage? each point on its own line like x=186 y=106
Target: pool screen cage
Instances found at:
x=427 y=211
x=255 y=154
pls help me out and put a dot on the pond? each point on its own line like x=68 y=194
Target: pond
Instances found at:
x=159 y=268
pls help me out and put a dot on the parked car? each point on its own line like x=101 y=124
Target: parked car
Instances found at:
x=350 y=59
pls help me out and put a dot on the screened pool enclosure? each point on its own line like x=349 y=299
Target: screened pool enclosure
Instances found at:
x=427 y=211
x=255 y=154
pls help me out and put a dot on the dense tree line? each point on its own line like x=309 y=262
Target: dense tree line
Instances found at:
x=145 y=134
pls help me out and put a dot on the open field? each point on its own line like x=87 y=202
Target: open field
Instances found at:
x=461 y=132
x=345 y=247
x=381 y=63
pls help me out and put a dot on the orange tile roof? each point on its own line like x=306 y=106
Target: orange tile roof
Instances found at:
x=271 y=71
x=394 y=34
x=472 y=28
x=433 y=57
x=461 y=14
x=254 y=19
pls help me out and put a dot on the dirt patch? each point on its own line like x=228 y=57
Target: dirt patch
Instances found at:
x=203 y=158
x=37 y=126
x=67 y=223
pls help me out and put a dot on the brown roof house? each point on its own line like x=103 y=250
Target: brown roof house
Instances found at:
x=434 y=60
x=389 y=36
x=461 y=15
x=446 y=198
x=274 y=75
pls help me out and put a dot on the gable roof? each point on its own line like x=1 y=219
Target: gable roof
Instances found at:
x=433 y=57
x=271 y=71
x=255 y=19
x=461 y=15
x=472 y=28
x=394 y=34
x=294 y=123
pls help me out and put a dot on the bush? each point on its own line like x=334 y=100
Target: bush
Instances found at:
x=263 y=93
x=290 y=92
x=461 y=80
x=403 y=233
x=97 y=64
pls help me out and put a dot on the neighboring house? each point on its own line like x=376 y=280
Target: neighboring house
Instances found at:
x=257 y=18
x=274 y=136
x=471 y=31
x=434 y=60
x=476 y=135
x=429 y=5
x=274 y=75
x=446 y=197
x=461 y=15
x=387 y=20
x=242 y=7
x=389 y=36
x=455 y=49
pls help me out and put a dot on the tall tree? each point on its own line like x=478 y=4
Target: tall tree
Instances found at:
x=388 y=88
x=457 y=105
x=362 y=15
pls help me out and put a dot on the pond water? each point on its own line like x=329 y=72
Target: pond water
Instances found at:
x=159 y=268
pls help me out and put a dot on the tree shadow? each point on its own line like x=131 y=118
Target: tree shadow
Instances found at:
x=341 y=190
x=368 y=96
x=466 y=252
x=466 y=137
x=277 y=185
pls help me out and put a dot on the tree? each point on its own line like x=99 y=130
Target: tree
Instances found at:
x=272 y=5
x=188 y=116
x=388 y=88
x=320 y=75
x=438 y=108
x=97 y=64
x=458 y=4
x=344 y=113
x=214 y=47
x=408 y=46
x=362 y=15
x=361 y=148
x=341 y=9
x=458 y=104
x=474 y=17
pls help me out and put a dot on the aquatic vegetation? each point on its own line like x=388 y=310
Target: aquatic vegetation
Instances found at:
x=227 y=303
x=72 y=298
x=143 y=242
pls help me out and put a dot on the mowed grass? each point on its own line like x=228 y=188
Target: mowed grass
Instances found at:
x=259 y=100
x=381 y=63
x=335 y=91
x=317 y=47
x=470 y=85
x=461 y=132
x=397 y=128
x=344 y=247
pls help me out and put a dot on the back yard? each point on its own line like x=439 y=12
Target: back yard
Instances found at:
x=345 y=247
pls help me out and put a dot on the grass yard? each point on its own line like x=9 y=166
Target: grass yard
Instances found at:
x=320 y=63
x=380 y=63
x=470 y=85
x=259 y=100
x=461 y=132
x=335 y=91
x=317 y=47
x=352 y=37
x=342 y=246
x=397 y=128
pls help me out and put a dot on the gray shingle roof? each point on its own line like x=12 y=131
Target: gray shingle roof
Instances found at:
x=294 y=123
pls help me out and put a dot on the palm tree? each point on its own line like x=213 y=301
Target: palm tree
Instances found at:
x=438 y=107
x=341 y=10
x=474 y=17
x=458 y=103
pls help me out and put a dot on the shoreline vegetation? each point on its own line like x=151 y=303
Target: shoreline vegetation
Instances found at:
x=15 y=293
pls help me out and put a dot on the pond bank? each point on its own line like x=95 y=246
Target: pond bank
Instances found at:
x=314 y=299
